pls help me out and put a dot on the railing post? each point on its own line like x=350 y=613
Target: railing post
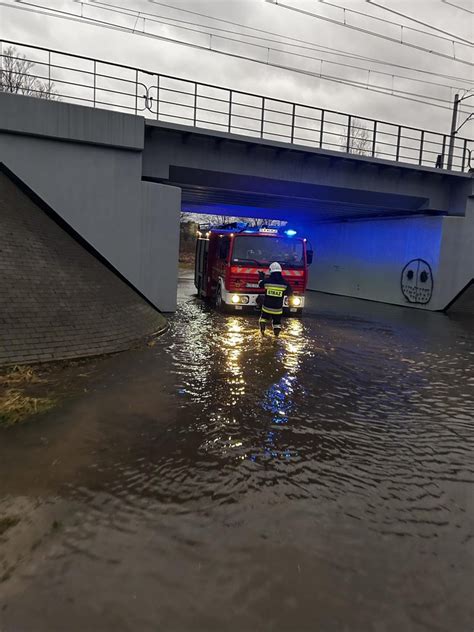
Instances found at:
x=136 y=91
x=422 y=140
x=374 y=139
x=464 y=150
x=321 y=130
x=229 y=127
x=157 y=97
x=49 y=70
x=195 y=102
x=263 y=118
x=348 y=145
x=95 y=81
x=399 y=136
x=443 y=149
x=293 y=123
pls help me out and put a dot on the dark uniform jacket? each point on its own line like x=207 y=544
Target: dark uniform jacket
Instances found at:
x=276 y=288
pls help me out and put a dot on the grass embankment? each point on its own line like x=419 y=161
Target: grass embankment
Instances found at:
x=18 y=400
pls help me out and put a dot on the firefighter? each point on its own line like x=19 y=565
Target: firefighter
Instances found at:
x=276 y=288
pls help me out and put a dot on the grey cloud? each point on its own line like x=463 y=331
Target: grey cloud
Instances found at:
x=211 y=67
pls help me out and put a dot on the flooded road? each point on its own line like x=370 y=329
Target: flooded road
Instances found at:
x=221 y=481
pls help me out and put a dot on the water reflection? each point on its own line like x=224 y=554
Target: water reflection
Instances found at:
x=278 y=399
x=253 y=382
x=233 y=344
x=319 y=481
x=192 y=354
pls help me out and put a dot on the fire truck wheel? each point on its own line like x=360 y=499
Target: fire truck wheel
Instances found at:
x=220 y=305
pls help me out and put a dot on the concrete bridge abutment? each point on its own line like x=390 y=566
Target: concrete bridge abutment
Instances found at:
x=86 y=164
x=421 y=262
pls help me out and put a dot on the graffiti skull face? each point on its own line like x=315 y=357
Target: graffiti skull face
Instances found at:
x=417 y=281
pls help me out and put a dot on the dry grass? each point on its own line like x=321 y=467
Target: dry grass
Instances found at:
x=20 y=376
x=15 y=406
x=7 y=523
x=28 y=390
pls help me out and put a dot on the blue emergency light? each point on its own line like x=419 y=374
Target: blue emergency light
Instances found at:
x=290 y=232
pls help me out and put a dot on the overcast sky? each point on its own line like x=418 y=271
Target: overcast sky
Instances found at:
x=211 y=67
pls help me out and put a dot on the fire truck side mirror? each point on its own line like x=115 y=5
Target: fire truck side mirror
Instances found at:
x=309 y=257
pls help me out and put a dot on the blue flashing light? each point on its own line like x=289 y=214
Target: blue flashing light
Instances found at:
x=290 y=232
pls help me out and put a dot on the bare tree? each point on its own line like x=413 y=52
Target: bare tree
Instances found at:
x=187 y=217
x=217 y=220
x=360 y=138
x=253 y=222
x=257 y=222
x=222 y=219
x=18 y=75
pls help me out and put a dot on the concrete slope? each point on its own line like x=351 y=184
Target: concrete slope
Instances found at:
x=57 y=298
x=464 y=302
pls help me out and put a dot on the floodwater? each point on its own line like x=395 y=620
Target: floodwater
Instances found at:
x=220 y=481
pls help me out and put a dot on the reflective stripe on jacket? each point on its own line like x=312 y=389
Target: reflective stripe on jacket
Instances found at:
x=276 y=288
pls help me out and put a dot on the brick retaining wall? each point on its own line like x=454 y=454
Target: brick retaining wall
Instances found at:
x=57 y=299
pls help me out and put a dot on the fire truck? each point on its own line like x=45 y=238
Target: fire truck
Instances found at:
x=229 y=258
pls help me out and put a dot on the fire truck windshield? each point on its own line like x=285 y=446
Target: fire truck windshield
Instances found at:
x=264 y=250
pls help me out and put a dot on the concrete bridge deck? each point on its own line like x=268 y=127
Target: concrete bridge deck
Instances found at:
x=121 y=181
x=267 y=178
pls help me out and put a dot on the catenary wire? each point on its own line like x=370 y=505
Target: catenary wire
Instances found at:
x=391 y=23
x=137 y=14
x=458 y=7
x=451 y=36
x=334 y=51
x=408 y=96
x=278 y=3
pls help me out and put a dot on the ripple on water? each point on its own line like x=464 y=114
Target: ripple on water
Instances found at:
x=344 y=451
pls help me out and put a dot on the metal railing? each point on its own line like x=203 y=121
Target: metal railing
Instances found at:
x=83 y=80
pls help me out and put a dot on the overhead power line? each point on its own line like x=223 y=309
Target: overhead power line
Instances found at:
x=311 y=45
x=152 y=17
x=458 y=7
x=317 y=16
x=409 y=96
x=392 y=23
x=412 y=19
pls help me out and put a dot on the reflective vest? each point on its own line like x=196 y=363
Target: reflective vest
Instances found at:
x=276 y=288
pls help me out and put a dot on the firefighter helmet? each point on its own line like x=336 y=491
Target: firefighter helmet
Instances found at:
x=275 y=267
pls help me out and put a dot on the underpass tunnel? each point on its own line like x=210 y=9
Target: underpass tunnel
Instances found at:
x=390 y=249
x=377 y=228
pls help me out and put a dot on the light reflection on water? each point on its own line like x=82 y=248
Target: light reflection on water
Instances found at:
x=242 y=362
x=319 y=481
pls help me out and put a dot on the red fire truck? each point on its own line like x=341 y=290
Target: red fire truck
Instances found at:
x=229 y=257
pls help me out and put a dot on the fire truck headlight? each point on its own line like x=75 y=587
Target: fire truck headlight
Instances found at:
x=244 y=300
x=295 y=301
x=235 y=298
